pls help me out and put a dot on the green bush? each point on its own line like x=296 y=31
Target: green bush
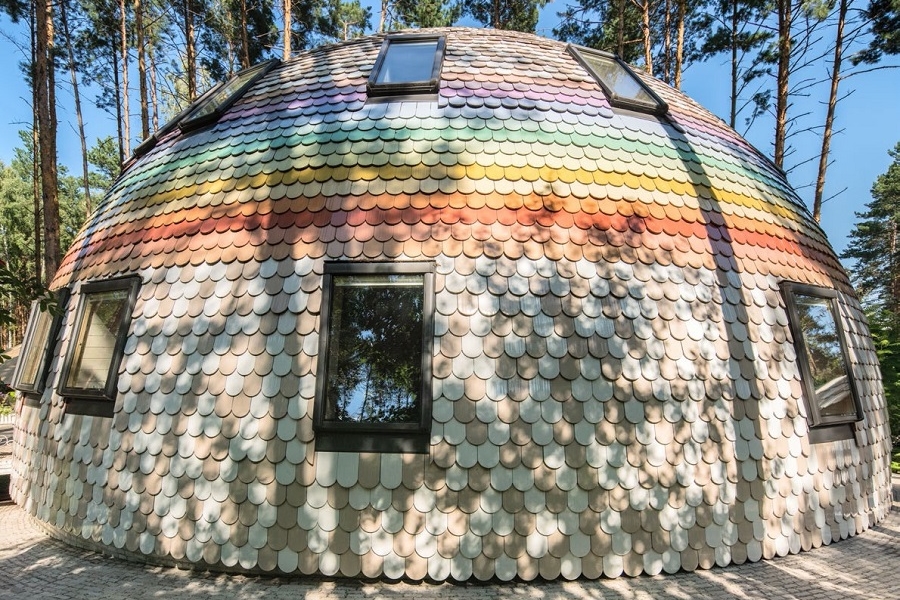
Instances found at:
x=7 y=403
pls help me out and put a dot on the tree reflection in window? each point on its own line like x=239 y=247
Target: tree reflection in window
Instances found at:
x=98 y=339
x=823 y=359
x=825 y=356
x=375 y=349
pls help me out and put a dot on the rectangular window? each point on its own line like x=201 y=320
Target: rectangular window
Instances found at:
x=98 y=341
x=373 y=381
x=621 y=85
x=39 y=344
x=829 y=388
x=407 y=65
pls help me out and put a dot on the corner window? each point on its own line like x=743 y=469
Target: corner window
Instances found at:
x=39 y=343
x=373 y=382
x=407 y=65
x=97 y=343
x=828 y=385
x=621 y=85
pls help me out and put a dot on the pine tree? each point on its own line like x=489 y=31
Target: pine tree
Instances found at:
x=515 y=15
x=875 y=246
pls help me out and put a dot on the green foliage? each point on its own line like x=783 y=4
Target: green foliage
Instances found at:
x=884 y=17
x=104 y=156
x=514 y=15
x=321 y=21
x=595 y=23
x=885 y=328
x=875 y=248
x=223 y=35
x=425 y=13
x=16 y=289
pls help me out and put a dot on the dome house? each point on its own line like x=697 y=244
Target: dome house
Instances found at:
x=450 y=304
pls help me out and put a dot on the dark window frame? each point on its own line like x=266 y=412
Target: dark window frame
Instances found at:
x=581 y=53
x=413 y=90
x=334 y=436
x=821 y=428
x=98 y=402
x=45 y=358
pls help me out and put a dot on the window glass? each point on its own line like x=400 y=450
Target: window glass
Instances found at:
x=405 y=62
x=407 y=65
x=98 y=339
x=36 y=340
x=95 y=343
x=620 y=83
x=825 y=356
x=375 y=353
x=822 y=356
x=38 y=345
x=373 y=388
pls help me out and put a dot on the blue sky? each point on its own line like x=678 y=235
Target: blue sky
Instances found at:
x=869 y=118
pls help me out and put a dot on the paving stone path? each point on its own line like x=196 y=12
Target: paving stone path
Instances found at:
x=33 y=566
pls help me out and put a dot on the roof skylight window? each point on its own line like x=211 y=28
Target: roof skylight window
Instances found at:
x=211 y=107
x=408 y=65
x=621 y=85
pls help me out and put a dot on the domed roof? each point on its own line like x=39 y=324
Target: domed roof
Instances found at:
x=520 y=144
x=611 y=378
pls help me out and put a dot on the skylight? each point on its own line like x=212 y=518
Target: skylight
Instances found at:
x=621 y=84
x=407 y=65
x=211 y=107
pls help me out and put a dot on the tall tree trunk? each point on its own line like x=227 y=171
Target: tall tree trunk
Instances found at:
x=894 y=301
x=45 y=97
x=785 y=18
x=123 y=49
x=190 y=50
x=67 y=35
x=679 y=46
x=245 y=37
x=154 y=96
x=35 y=158
x=287 y=27
x=832 y=104
x=735 y=24
x=138 y=8
x=620 y=28
x=667 y=42
x=495 y=18
x=384 y=11
x=119 y=120
x=645 y=26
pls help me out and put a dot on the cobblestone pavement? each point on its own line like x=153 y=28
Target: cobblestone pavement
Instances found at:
x=33 y=566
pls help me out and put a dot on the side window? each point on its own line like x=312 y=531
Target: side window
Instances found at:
x=620 y=84
x=407 y=65
x=374 y=372
x=97 y=342
x=39 y=344
x=828 y=385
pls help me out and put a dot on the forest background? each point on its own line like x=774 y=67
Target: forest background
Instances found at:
x=812 y=83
